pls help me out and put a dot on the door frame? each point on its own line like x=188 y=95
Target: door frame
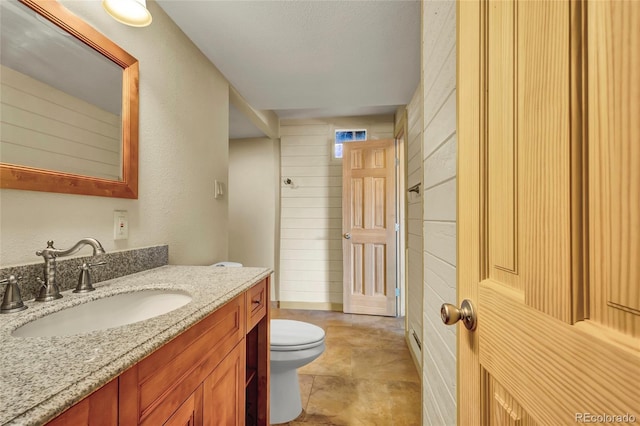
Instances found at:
x=400 y=135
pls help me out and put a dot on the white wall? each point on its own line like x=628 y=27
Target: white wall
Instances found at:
x=183 y=148
x=414 y=223
x=254 y=203
x=311 y=209
x=439 y=83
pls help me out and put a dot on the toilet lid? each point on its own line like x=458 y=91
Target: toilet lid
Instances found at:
x=294 y=335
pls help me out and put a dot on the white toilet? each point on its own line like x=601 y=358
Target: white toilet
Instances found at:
x=293 y=345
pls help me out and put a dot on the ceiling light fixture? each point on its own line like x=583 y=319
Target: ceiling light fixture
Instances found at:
x=129 y=12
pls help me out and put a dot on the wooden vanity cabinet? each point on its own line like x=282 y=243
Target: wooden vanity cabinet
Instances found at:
x=214 y=373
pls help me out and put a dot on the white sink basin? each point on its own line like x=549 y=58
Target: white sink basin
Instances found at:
x=108 y=312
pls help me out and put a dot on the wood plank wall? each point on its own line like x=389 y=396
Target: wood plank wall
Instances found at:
x=45 y=128
x=439 y=81
x=414 y=223
x=311 y=209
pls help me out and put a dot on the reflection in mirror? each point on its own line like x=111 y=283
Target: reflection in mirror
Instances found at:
x=69 y=104
x=61 y=100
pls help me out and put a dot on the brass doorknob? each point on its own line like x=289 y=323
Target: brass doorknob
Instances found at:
x=450 y=314
x=347 y=236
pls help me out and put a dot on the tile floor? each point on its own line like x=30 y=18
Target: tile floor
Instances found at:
x=365 y=377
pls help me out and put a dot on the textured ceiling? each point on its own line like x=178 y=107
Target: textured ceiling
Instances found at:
x=310 y=58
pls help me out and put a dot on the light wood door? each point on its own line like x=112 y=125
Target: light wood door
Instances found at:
x=368 y=226
x=549 y=211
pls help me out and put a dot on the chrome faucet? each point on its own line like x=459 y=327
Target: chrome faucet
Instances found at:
x=50 y=290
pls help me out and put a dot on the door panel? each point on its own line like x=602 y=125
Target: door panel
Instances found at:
x=503 y=162
x=549 y=210
x=553 y=369
x=368 y=222
x=503 y=409
x=528 y=148
x=614 y=165
x=357 y=280
x=543 y=89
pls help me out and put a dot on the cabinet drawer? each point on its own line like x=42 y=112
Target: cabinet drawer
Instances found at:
x=257 y=299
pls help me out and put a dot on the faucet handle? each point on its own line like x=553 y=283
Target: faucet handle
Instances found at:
x=12 y=301
x=10 y=279
x=85 y=284
x=49 y=246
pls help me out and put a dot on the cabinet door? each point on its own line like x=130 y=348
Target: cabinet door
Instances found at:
x=189 y=413
x=98 y=409
x=224 y=391
x=152 y=390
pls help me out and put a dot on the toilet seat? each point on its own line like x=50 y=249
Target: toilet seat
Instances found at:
x=289 y=335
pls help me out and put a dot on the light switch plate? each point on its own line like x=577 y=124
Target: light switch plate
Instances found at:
x=218 y=190
x=120 y=225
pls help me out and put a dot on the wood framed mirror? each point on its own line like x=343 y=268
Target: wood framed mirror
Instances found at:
x=22 y=157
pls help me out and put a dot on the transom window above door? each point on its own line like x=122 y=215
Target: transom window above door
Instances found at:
x=347 y=135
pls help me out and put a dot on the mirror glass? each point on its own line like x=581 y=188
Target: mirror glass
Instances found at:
x=61 y=100
x=69 y=104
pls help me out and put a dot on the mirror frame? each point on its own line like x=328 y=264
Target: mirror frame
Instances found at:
x=33 y=179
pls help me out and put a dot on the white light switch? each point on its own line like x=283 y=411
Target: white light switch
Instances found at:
x=120 y=225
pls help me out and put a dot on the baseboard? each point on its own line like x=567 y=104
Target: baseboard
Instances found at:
x=312 y=306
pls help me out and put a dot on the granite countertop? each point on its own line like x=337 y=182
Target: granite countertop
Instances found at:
x=42 y=376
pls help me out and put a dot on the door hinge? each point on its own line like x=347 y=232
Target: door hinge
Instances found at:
x=397 y=292
x=397 y=162
x=397 y=227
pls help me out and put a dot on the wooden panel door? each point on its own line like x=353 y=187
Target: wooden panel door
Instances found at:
x=223 y=399
x=368 y=225
x=549 y=211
